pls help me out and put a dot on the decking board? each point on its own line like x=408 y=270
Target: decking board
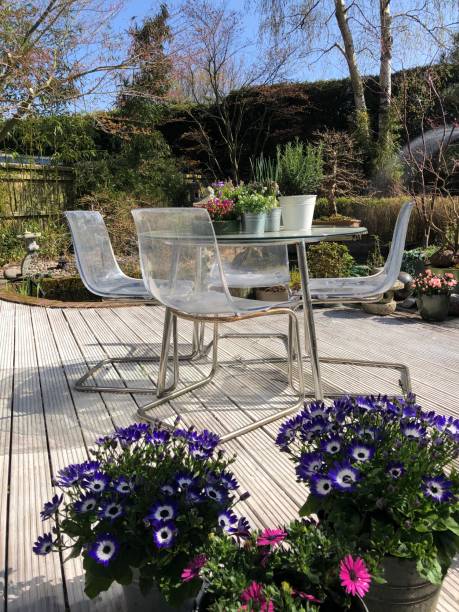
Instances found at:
x=43 y=352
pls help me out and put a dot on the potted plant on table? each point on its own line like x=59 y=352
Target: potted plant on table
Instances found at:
x=379 y=474
x=433 y=293
x=253 y=206
x=299 y=174
x=139 y=510
x=222 y=208
x=264 y=181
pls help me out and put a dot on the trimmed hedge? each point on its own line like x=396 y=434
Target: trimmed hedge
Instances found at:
x=379 y=215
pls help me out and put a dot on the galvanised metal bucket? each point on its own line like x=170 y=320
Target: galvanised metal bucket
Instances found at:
x=405 y=590
x=273 y=219
x=254 y=223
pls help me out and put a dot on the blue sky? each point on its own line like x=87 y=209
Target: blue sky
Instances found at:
x=330 y=66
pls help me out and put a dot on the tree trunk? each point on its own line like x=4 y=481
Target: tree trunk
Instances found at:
x=385 y=75
x=363 y=126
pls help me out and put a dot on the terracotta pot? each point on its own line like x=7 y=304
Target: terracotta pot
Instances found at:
x=433 y=307
x=404 y=591
x=341 y=223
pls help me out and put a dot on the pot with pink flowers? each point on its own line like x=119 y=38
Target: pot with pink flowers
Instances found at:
x=433 y=294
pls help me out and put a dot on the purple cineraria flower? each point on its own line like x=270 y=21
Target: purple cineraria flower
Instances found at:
x=89 y=467
x=289 y=430
x=361 y=452
x=104 y=549
x=242 y=529
x=86 y=503
x=229 y=481
x=310 y=463
x=321 y=485
x=123 y=486
x=316 y=409
x=132 y=433
x=438 y=488
x=226 y=520
x=207 y=439
x=162 y=512
x=371 y=433
x=69 y=475
x=413 y=430
x=332 y=445
x=344 y=476
x=194 y=496
x=216 y=493
x=395 y=469
x=97 y=482
x=44 y=544
x=317 y=425
x=110 y=510
x=452 y=427
x=167 y=489
x=184 y=480
x=164 y=535
x=51 y=507
x=158 y=436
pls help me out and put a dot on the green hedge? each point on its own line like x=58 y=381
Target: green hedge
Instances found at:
x=379 y=215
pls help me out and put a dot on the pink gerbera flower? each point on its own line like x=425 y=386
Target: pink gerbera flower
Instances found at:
x=192 y=571
x=271 y=537
x=253 y=595
x=354 y=575
x=306 y=596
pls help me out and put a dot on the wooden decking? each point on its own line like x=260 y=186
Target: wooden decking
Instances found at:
x=45 y=424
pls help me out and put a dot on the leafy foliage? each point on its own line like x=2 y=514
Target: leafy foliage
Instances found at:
x=378 y=470
x=329 y=260
x=147 y=499
x=299 y=168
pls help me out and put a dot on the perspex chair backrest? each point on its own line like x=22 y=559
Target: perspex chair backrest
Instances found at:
x=394 y=259
x=178 y=251
x=94 y=254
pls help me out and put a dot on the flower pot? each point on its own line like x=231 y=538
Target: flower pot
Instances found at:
x=232 y=226
x=254 y=223
x=270 y=295
x=433 y=307
x=273 y=219
x=135 y=601
x=297 y=211
x=338 y=222
x=404 y=591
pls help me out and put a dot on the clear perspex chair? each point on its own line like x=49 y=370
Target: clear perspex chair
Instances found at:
x=369 y=289
x=101 y=275
x=182 y=269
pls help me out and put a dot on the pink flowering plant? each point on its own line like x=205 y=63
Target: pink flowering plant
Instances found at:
x=379 y=474
x=428 y=283
x=147 y=499
x=285 y=569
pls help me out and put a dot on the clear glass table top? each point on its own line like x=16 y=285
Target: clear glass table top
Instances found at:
x=317 y=233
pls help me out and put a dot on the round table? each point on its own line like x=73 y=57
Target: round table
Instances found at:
x=300 y=238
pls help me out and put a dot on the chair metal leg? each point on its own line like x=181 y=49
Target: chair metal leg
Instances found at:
x=112 y=361
x=167 y=396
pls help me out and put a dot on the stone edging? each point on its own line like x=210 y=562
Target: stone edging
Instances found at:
x=9 y=296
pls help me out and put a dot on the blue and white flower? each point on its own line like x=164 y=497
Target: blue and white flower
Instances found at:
x=437 y=488
x=110 y=510
x=311 y=463
x=104 y=549
x=332 y=445
x=344 y=476
x=321 y=485
x=162 y=512
x=123 y=486
x=86 y=503
x=226 y=520
x=43 y=545
x=167 y=489
x=216 y=493
x=51 y=507
x=413 y=430
x=395 y=469
x=164 y=535
x=97 y=483
x=361 y=452
x=183 y=480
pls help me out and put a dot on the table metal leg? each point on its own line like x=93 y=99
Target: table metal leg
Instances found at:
x=309 y=327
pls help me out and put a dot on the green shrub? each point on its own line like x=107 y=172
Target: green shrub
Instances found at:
x=413 y=260
x=54 y=239
x=299 y=168
x=66 y=289
x=329 y=260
